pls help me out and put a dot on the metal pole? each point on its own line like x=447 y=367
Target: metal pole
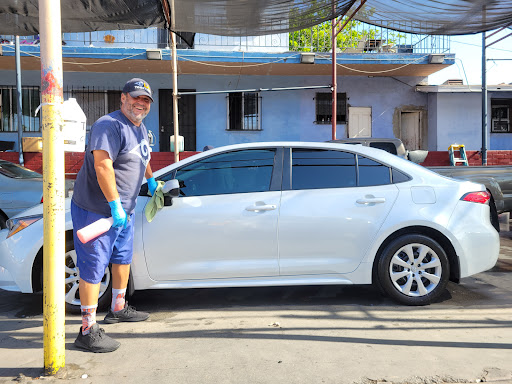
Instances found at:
x=484 y=103
x=53 y=185
x=19 y=98
x=174 y=86
x=334 y=82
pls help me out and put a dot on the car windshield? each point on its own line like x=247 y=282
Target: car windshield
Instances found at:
x=16 y=171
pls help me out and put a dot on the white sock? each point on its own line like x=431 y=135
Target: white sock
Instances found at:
x=88 y=317
x=118 y=299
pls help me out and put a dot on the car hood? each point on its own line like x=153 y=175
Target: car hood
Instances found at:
x=38 y=209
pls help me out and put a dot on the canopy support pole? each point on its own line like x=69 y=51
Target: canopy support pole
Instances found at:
x=484 y=102
x=171 y=21
x=19 y=100
x=334 y=35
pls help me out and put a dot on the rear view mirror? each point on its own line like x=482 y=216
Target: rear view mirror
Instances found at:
x=172 y=188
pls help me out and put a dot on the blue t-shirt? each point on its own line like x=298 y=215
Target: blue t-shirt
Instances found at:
x=128 y=148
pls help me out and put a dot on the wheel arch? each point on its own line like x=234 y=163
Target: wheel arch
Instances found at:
x=37 y=266
x=426 y=231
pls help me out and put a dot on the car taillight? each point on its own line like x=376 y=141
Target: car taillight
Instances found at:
x=481 y=197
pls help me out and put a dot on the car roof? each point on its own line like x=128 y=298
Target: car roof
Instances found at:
x=378 y=154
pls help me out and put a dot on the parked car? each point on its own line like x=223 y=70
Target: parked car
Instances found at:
x=496 y=178
x=288 y=213
x=20 y=188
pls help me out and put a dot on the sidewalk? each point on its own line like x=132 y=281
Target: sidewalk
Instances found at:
x=304 y=335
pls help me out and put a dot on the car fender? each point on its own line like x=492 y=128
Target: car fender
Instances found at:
x=412 y=226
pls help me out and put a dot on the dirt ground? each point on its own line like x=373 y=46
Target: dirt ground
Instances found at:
x=338 y=334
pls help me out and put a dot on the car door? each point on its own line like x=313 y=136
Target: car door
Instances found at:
x=224 y=224
x=332 y=208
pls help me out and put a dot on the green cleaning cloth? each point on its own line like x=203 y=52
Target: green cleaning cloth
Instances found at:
x=156 y=203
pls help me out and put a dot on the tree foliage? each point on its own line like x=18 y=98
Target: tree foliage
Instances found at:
x=318 y=38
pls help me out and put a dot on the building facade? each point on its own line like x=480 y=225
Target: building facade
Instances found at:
x=229 y=87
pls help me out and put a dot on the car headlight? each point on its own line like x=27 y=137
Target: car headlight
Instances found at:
x=19 y=223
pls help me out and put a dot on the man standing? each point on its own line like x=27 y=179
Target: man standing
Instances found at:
x=116 y=160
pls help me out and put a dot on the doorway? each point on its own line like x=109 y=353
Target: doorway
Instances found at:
x=410 y=129
x=359 y=122
x=186 y=119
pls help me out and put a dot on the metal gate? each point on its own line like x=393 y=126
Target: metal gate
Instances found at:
x=186 y=119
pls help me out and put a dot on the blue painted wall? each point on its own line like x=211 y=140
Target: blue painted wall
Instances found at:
x=286 y=115
x=457 y=118
x=289 y=115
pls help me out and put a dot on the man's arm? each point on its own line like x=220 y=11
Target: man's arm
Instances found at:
x=149 y=173
x=105 y=174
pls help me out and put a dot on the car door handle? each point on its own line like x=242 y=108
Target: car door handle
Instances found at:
x=371 y=200
x=261 y=206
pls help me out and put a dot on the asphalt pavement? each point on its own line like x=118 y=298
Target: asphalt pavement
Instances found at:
x=338 y=334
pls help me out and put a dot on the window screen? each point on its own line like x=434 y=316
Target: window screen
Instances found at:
x=314 y=169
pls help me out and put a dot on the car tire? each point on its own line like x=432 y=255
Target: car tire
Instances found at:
x=406 y=278
x=72 y=295
x=494 y=215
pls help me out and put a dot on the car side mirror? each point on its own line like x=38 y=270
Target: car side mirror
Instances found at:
x=171 y=188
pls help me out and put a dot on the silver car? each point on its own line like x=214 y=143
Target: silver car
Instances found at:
x=287 y=213
x=20 y=189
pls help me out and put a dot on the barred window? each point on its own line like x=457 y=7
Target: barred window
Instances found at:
x=244 y=111
x=323 y=104
x=95 y=102
x=30 y=99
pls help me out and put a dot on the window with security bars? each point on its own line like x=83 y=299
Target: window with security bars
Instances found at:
x=500 y=115
x=323 y=108
x=30 y=100
x=95 y=102
x=244 y=111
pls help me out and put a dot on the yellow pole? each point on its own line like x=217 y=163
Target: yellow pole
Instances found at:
x=53 y=186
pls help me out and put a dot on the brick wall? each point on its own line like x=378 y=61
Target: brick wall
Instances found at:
x=73 y=160
x=440 y=158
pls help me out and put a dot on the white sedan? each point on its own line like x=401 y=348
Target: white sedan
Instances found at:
x=288 y=213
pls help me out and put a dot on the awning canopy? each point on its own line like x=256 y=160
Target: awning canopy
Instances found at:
x=260 y=17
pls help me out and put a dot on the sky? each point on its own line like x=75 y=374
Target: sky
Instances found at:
x=468 y=60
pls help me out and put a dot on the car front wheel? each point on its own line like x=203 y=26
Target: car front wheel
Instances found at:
x=72 y=279
x=413 y=270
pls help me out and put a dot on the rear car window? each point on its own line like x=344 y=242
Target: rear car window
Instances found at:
x=372 y=173
x=315 y=169
x=388 y=147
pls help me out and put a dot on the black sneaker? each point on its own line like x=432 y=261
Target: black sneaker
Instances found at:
x=96 y=341
x=128 y=313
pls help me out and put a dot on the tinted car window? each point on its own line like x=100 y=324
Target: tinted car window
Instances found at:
x=388 y=147
x=232 y=172
x=16 y=171
x=399 y=177
x=314 y=169
x=372 y=172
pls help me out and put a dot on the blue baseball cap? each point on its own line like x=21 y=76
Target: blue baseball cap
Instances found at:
x=138 y=87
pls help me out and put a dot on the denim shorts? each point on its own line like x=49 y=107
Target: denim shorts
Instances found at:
x=114 y=246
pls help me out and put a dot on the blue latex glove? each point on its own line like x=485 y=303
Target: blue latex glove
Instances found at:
x=152 y=184
x=118 y=214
